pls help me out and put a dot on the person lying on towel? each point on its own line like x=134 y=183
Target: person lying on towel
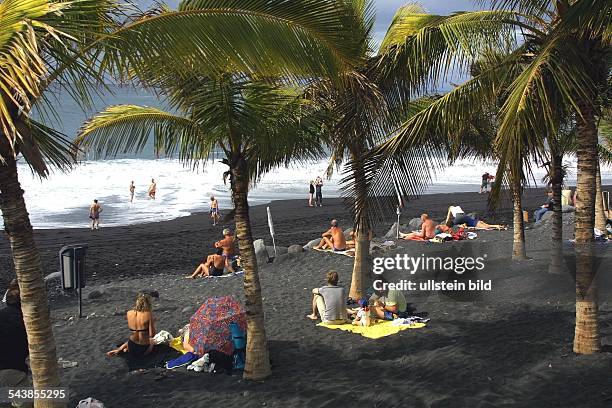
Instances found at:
x=333 y=238
x=389 y=305
x=329 y=301
x=428 y=230
x=456 y=216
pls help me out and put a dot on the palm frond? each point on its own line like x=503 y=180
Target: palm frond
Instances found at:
x=270 y=37
x=42 y=146
x=21 y=66
x=421 y=50
x=128 y=128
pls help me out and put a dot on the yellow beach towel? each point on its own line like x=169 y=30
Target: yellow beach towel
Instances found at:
x=381 y=328
x=177 y=344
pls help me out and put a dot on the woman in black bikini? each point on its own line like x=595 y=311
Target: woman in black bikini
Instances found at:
x=213 y=266
x=140 y=322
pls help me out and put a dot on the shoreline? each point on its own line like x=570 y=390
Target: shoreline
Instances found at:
x=181 y=243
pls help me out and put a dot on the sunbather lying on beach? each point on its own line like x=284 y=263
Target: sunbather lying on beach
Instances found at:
x=428 y=230
x=333 y=238
x=212 y=266
x=456 y=216
x=141 y=324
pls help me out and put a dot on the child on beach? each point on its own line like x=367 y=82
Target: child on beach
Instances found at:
x=362 y=317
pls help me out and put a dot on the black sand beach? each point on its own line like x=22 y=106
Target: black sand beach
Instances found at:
x=508 y=347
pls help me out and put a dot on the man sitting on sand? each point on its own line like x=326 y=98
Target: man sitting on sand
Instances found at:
x=390 y=305
x=329 y=301
x=213 y=266
x=333 y=238
x=428 y=230
x=547 y=206
x=228 y=245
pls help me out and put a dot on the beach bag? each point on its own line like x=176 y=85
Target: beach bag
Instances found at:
x=459 y=235
x=220 y=362
x=239 y=341
x=90 y=403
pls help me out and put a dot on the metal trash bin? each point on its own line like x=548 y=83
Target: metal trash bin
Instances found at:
x=72 y=268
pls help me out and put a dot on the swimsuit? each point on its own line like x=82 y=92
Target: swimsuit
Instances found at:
x=213 y=271
x=214 y=210
x=135 y=349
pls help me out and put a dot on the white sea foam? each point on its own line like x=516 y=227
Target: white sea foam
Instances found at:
x=63 y=199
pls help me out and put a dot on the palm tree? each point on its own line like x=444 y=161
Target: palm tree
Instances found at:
x=46 y=45
x=257 y=126
x=364 y=107
x=38 y=38
x=559 y=64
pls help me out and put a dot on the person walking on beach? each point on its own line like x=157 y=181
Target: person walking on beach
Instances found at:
x=319 y=194
x=94 y=214
x=132 y=189
x=311 y=193
x=152 y=189
x=214 y=210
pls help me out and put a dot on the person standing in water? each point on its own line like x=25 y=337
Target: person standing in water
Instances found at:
x=214 y=210
x=319 y=194
x=132 y=189
x=94 y=213
x=152 y=189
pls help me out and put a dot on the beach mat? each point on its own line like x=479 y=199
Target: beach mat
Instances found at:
x=380 y=328
x=158 y=358
x=349 y=252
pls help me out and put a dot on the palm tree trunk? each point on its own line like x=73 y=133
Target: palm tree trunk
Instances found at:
x=518 y=245
x=28 y=268
x=586 y=337
x=600 y=215
x=361 y=266
x=257 y=365
x=556 y=247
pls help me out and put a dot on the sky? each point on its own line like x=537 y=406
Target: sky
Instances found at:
x=385 y=9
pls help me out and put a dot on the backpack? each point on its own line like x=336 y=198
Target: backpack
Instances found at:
x=239 y=340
